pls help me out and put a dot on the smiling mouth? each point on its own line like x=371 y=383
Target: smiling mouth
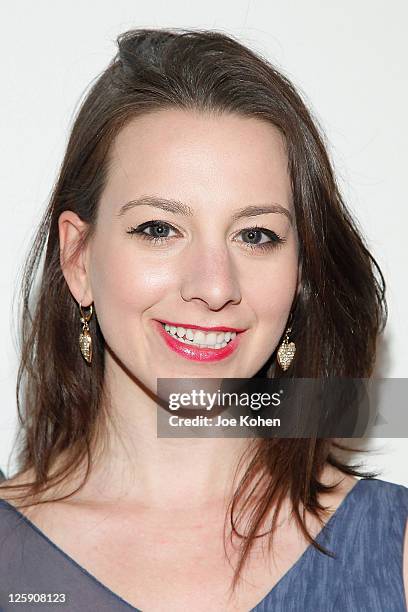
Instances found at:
x=199 y=338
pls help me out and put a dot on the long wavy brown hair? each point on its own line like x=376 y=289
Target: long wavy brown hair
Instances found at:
x=336 y=317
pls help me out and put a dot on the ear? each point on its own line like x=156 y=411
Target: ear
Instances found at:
x=74 y=258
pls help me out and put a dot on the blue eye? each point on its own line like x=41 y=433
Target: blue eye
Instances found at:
x=160 y=229
x=256 y=232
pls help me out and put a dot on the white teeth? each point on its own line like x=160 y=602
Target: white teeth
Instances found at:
x=211 y=339
x=199 y=338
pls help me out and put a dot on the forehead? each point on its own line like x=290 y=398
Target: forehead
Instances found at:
x=199 y=157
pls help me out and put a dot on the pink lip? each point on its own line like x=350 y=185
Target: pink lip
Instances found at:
x=207 y=329
x=195 y=353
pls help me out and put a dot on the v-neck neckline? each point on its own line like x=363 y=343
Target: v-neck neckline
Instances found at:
x=306 y=553
x=285 y=576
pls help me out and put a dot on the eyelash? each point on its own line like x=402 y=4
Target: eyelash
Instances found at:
x=275 y=243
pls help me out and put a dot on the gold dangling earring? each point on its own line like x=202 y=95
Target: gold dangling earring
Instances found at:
x=286 y=351
x=85 y=340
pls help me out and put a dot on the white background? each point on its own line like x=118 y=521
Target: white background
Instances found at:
x=349 y=61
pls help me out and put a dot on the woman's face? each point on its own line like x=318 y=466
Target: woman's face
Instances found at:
x=206 y=268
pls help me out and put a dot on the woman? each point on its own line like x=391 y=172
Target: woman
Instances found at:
x=196 y=194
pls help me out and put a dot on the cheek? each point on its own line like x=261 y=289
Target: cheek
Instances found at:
x=124 y=286
x=271 y=299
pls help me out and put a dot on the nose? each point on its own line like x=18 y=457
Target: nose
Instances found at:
x=209 y=276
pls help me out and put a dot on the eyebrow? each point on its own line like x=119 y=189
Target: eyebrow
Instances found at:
x=179 y=208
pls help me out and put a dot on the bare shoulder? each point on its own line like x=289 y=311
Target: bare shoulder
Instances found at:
x=19 y=484
x=18 y=494
x=17 y=488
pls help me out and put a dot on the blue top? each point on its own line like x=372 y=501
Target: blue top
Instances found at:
x=366 y=533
